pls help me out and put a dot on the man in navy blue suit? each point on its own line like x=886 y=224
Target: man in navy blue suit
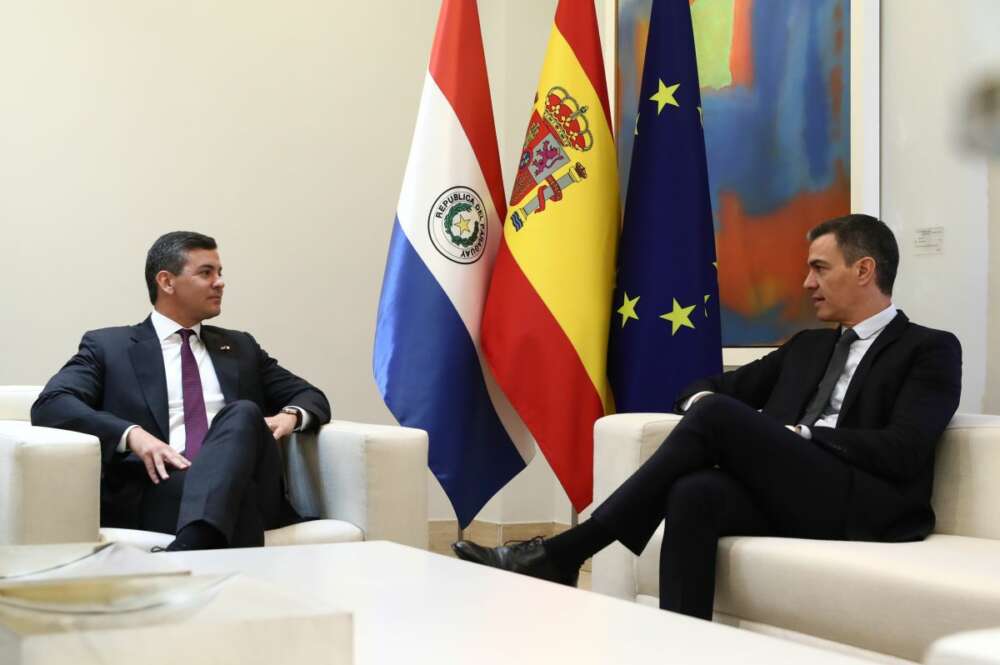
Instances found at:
x=831 y=436
x=188 y=414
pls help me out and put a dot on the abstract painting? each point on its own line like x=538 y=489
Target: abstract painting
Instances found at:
x=775 y=89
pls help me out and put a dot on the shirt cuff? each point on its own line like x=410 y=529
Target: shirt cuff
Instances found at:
x=801 y=430
x=694 y=398
x=123 y=443
x=304 y=418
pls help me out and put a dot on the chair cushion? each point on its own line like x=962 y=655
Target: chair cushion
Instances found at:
x=314 y=532
x=893 y=598
x=966 y=491
x=304 y=533
x=145 y=540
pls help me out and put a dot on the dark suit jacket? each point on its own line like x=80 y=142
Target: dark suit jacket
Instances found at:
x=117 y=379
x=900 y=399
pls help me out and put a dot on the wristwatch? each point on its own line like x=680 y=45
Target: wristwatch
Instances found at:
x=295 y=412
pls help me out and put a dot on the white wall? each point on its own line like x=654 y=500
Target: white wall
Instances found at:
x=932 y=52
x=283 y=129
x=991 y=400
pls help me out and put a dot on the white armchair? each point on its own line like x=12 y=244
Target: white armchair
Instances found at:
x=365 y=482
x=872 y=599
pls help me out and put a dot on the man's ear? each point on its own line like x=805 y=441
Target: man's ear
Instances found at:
x=165 y=280
x=865 y=268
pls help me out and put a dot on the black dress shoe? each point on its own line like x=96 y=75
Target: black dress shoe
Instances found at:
x=527 y=557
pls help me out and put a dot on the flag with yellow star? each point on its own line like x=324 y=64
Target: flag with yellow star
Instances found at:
x=665 y=329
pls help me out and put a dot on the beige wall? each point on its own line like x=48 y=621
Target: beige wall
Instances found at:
x=991 y=400
x=283 y=130
x=932 y=53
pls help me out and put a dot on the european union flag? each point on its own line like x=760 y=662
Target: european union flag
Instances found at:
x=665 y=331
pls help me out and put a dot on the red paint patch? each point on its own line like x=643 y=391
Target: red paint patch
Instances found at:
x=762 y=259
x=741 y=54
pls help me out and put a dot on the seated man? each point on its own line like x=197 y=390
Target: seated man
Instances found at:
x=180 y=409
x=831 y=436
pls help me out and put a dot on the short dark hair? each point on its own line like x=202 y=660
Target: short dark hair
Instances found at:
x=859 y=236
x=169 y=253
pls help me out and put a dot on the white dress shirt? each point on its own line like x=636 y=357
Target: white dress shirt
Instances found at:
x=867 y=331
x=170 y=344
x=167 y=331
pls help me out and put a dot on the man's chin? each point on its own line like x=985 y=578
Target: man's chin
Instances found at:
x=825 y=315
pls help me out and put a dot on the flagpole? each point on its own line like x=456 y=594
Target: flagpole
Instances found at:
x=574 y=518
x=461 y=534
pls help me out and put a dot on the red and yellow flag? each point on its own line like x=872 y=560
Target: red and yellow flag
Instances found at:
x=545 y=325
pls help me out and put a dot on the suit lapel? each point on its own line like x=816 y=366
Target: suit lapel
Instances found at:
x=891 y=333
x=814 y=370
x=147 y=361
x=223 y=355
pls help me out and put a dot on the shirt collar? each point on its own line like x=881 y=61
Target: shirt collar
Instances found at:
x=165 y=327
x=876 y=324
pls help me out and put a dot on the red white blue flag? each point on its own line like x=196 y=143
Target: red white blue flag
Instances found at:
x=428 y=363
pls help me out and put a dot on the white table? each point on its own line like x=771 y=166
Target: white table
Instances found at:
x=412 y=606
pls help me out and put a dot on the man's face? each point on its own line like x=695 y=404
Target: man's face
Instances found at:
x=832 y=284
x=198 y=288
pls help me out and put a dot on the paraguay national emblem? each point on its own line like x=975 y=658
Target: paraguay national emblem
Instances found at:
x=552 y=137
x=457 y=225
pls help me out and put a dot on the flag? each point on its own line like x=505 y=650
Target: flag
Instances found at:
x=427 y=359
x=665 y=331
x=545 y=327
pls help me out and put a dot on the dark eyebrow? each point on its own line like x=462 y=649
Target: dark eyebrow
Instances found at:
x=818 y=263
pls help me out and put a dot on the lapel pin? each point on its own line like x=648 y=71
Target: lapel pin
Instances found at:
x=224 y=347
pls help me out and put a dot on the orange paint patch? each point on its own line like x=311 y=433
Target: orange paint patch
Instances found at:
x=741 y=54
x=762 y=259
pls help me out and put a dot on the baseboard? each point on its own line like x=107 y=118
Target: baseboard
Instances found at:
x=490 y=534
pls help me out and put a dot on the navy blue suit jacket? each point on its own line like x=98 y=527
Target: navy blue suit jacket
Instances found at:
x=899 y=401
x=117 y=379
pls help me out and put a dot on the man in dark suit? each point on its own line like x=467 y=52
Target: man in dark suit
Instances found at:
x=188 y=414
x=831 y=436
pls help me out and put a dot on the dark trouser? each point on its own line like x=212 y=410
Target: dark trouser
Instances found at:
x=234 y=484
x=724 y=470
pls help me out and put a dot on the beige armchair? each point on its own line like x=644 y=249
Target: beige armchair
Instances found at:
x=871 y=599
x=365 y=482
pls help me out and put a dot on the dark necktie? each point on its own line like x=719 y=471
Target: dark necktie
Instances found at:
x=833 y=372
x=195 y=417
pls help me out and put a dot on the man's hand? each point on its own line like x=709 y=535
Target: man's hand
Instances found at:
x=281 y=424
x=155 y=454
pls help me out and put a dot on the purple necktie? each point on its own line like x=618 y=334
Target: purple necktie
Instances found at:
x=195 y=418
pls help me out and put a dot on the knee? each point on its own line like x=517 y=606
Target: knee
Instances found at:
x=243 y=408
x=694 y=501
x=711 y=407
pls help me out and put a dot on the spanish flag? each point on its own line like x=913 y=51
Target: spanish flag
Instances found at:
x=546 y=319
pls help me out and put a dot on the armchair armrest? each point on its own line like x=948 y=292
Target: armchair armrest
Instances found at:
x=49 y=485
x=976 y=647
x=373 y=476
x=622 y=442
